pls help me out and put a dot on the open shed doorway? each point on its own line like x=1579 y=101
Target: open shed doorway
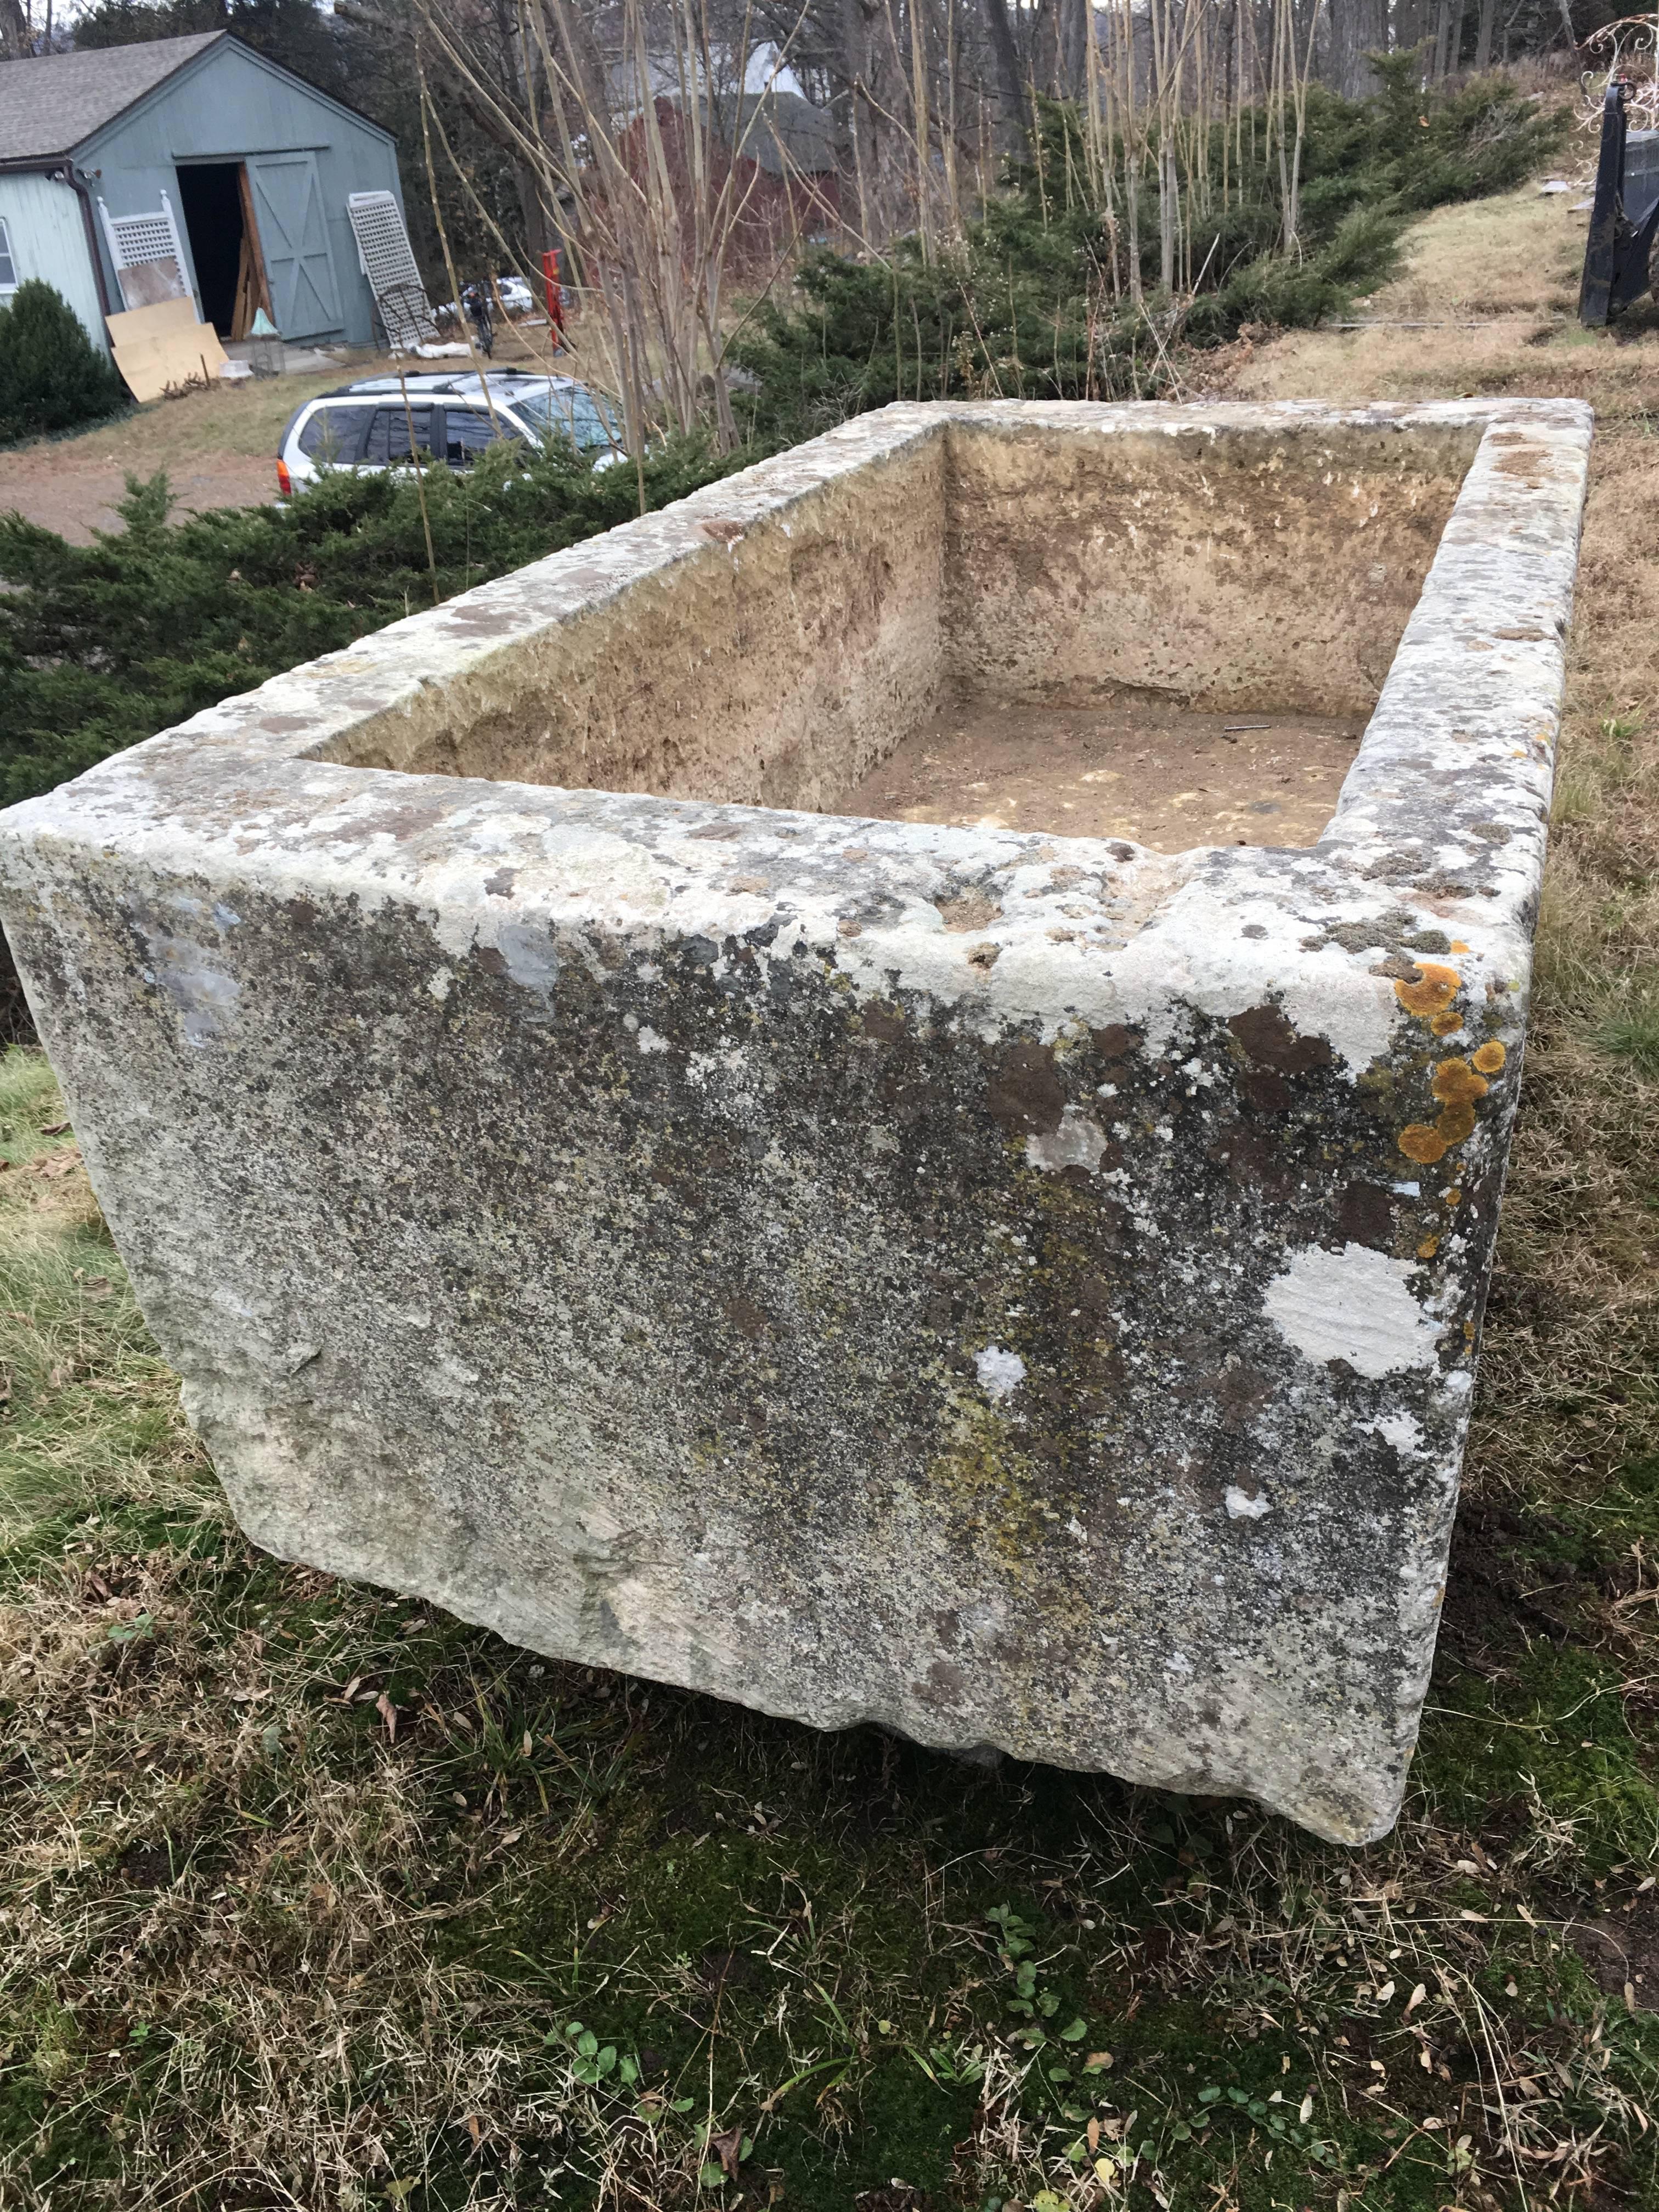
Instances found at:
x=224 y=244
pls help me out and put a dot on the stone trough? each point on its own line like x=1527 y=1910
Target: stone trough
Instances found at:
x=1020 y=1289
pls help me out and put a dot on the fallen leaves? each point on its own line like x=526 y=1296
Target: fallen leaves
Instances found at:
x=727 y=2150
x=54 y=1165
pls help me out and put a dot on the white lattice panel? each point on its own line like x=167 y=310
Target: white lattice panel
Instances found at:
x=388 y=260
x=143 y=237
x=149 y=262
x=383 y=247
x=136 y=238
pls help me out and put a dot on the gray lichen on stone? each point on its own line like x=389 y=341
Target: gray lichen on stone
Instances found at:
x=1023 y=1290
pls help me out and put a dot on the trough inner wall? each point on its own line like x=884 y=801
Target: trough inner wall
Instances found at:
x=1238 y=571
x=978 y=568
x=774 y=669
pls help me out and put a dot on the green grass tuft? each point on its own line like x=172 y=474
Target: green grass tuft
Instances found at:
x=1632 y=1035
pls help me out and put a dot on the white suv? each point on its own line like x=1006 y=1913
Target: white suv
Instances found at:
x=367 y=425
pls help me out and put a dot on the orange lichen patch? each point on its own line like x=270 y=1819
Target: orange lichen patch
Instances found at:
x=1423 y=1143
x=1456 y=1083
x=1490 y=1057
x=1428 y=1247
x=1443 y=1024
x=1457 y=1086
x=1454 y=1196
x=1435 y=989
x=1458 y=946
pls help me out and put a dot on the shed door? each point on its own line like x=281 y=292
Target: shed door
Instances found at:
x=293 y=231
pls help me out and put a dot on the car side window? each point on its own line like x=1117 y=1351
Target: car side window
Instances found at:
x=333 y=437
x=387 y=442
x=467 y=430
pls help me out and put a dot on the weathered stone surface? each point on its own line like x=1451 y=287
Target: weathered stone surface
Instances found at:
x=1023 y=1290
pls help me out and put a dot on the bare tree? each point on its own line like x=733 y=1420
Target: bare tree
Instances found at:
x=17 y=34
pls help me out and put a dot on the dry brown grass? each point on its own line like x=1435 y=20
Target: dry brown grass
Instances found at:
x=218 y=446
x=1512 y=255
x=242 y=418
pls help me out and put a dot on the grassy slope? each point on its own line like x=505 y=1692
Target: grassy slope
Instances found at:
x=315 y=1898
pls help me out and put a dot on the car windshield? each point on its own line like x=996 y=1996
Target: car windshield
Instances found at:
x=571 y=409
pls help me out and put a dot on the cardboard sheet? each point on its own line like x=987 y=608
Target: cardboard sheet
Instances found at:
x=164 y=346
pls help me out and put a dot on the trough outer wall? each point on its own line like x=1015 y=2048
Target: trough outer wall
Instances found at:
x=865 y=1271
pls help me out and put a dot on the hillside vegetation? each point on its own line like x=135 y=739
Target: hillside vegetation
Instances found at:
x=1047 y=297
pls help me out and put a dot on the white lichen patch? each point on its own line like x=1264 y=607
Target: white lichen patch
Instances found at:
x=1352 y=1305
x=1402 y=1429
x=1000 y=1373
x=1078 y=1142
x=1240 y=1506
x=199 y=983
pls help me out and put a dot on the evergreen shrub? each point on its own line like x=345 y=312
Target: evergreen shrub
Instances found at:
x=104 y=644
x=51 y=375
x=1039 y=299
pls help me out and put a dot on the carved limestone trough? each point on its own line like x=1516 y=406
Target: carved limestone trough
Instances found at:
x=1023 y=1290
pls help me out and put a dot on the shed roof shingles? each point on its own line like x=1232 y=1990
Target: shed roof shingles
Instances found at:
x=50 y=103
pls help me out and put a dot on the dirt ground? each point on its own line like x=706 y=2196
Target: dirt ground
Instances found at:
x=1140 y=767
x=218 y=446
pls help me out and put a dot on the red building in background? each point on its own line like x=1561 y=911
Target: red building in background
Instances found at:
x=781 y=154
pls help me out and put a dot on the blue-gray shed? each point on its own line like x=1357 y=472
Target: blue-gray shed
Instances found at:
x=252 y=166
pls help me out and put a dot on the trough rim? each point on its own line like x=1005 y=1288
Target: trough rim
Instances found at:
x=1500 y=581
x=1445 y=807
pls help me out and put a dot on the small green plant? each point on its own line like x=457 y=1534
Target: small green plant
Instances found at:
x=1632 y=1035
x=1016 y=1945
x=593 y=2061
x=730 y=2147
x=596 y=2064
x=51 y=375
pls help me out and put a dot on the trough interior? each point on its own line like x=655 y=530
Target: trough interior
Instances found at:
x=1172 y=637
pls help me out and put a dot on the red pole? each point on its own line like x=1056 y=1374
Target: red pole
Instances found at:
x=555 y=293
